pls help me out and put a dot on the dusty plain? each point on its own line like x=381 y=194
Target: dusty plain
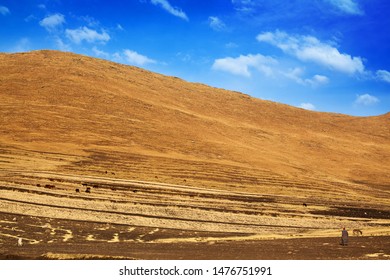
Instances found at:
x=105 y=161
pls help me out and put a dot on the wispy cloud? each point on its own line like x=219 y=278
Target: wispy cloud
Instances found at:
x=245 y=6
x=23 y=45
x=241 y=65
x=50 y=23
x=216 y=23
x=307 y=106
x=119 y=27
x=126 y=56
x=170 y=9
x=30 y=18
x=231 y=45
x=309 y=48
x=4 y=10
x=383 y=75
x=366 y=99
x=133 y=57
x=61 y=45
x=100 y=53
x=90 y=21
x=297 y=73
x=86 y=34
x=347 y=6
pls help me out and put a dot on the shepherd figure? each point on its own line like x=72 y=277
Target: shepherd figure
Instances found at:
x=344 y=237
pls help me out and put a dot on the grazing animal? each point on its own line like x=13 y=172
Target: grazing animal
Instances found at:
x=77 y=190
x=20 y=242
x=357 y=232
x=88 y=190
x=304 y=205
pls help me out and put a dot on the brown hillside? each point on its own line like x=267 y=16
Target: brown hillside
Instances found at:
x=66 y=103
x=96 y=155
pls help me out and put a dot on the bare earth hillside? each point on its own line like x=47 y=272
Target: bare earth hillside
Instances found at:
x=102 y=160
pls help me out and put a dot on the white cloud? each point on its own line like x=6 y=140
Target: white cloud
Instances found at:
x=51 y=22
x=168 y=7
x=100 y=53
x=4 y=10
x=185 y=57
x=296 y=75
x=126 y=57
x=231 y=45
x=90 y=21
x=216 y=23
x=30 y=18
x=347 y=6
x=320 y=79
x=243 y=2
x=245 y=6
x=366 y=99
x=307 y=106
x=383 y=75
x=240 y=65
x=309 y=48
x=23 y=45
x=133 y=57
x=86 y=34
x=61 y=45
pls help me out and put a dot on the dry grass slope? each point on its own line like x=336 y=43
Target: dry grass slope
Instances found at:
x=169 y=161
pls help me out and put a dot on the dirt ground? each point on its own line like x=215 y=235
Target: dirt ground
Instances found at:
x=62 y=216
x=67 y=239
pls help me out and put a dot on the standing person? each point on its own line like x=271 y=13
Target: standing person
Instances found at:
x=344 y=237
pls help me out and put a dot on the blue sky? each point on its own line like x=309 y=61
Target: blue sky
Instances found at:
x=323 y=55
